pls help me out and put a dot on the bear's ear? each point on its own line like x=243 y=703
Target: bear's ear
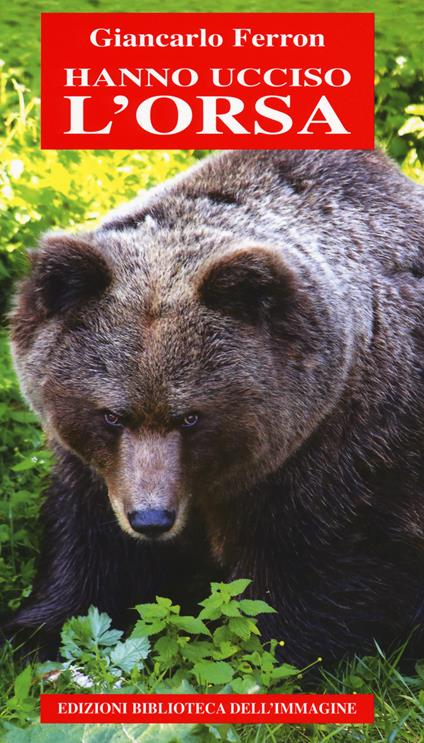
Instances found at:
x=247 y=283
x=67 y=271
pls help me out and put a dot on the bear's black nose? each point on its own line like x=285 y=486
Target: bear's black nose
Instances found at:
x=152 y=522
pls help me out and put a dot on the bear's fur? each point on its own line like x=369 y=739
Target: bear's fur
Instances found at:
x=278 y=296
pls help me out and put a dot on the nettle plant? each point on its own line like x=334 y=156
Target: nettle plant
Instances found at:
x=217 y=651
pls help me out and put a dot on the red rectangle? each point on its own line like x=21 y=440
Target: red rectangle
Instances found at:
x=207 y=80
x=201 y=708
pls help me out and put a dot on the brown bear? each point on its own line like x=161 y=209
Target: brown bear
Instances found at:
x=231 y=373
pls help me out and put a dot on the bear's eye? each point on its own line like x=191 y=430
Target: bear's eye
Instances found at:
x=190 y=420
x=112 y=419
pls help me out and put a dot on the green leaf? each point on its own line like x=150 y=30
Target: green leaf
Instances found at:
x=126 y=655
x=192 y=625
x=231 y=609
x=4 y=533
x=101 y=733
x=208 y=672
x=254 y=657
x=284 y=671
x=212 y=602
x=210 y=613
x=163 y=601
x=23 y=683
x=252 y=608
x=356 y=682
x=224 y=732
x=110 y=637
x=236 y=587
x=152 y=611
x=419 y=668
x=415 y=108
x=241 y=626
x=246 y=685
x=167 y=648
x=75 y=635
x=99 y=626
x=98 y=622
x=22 y=416
x=145 y=629
x=25 y=464
x=184 y=687
x=86 y=633
x=197 y=651
x=411 y=125
x=225 y=650
x=222 y=634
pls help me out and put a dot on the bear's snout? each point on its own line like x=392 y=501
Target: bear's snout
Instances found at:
x=145 y=485
x=152 y=522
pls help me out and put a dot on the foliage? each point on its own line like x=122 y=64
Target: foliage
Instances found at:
x=399 y=698
x=399 y=85
x=398 y=24
x=169 y=733
x=41 y=190
x=24 y=465
x=217 y=651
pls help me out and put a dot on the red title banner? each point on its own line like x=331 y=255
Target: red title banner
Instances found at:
x=213 y=708
x=207 y=81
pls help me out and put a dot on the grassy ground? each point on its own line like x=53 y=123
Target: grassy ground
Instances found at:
x=399 y=711
x=42 y=190
x=398 y=24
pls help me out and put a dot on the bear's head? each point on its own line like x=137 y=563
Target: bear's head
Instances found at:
x=182 y=367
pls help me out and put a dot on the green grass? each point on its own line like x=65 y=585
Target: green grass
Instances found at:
x=399 y=709
x=398 y=24
x=399 y=49
x=23 y=469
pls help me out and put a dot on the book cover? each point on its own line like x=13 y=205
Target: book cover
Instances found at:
x=211 y=284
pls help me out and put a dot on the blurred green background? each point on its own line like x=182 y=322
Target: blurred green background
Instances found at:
x=39 y=190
